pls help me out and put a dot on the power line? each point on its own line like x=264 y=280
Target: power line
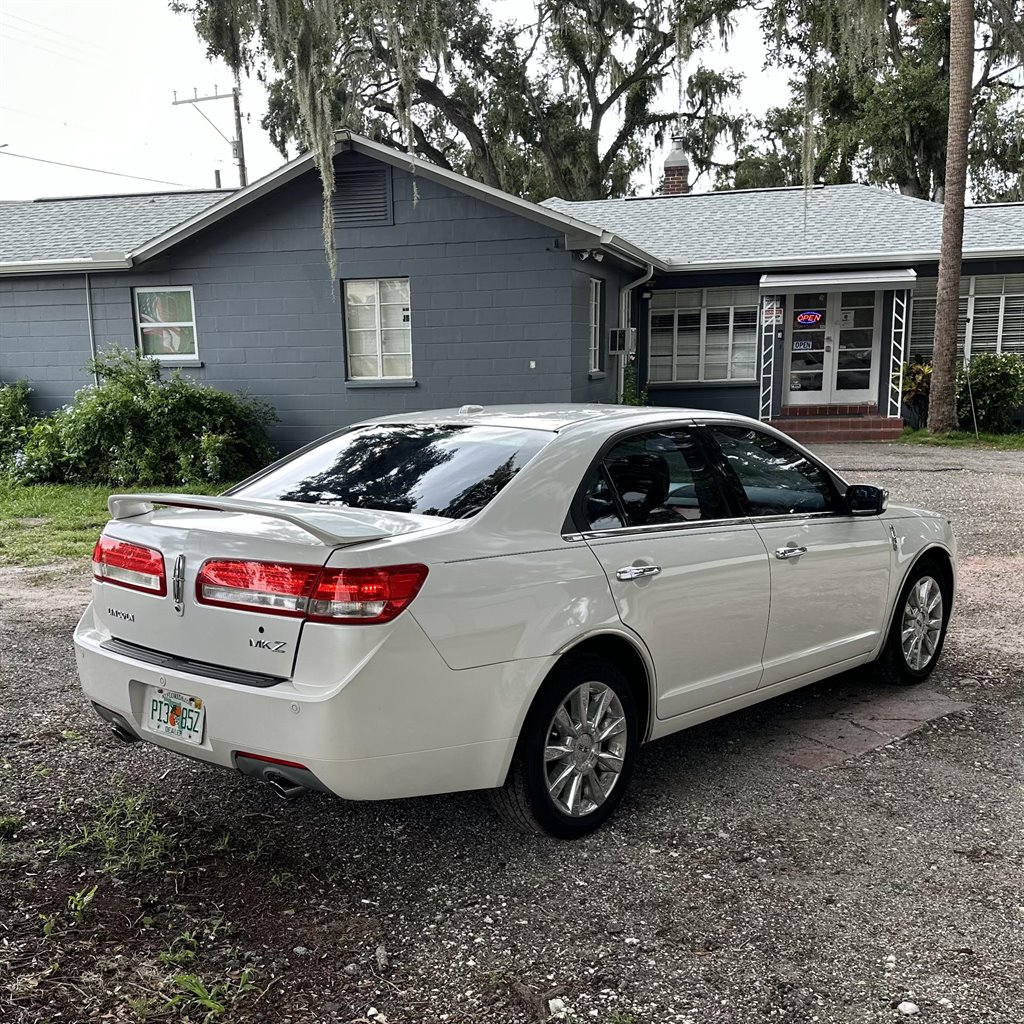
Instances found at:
x=94 y=170
x=105 y=135
x=30 y=40
x=63 y=38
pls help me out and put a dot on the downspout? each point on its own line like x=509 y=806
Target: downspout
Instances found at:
x=92 y=332
x=624 y=317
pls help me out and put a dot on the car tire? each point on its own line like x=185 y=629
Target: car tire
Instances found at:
x=575 y=754
x=918 y=628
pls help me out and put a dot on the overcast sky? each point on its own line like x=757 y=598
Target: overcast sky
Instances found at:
x=91 y=83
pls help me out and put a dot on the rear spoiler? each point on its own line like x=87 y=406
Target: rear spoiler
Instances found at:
x=330 y=526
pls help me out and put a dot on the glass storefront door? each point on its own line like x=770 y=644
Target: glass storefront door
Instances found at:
x=832 y=346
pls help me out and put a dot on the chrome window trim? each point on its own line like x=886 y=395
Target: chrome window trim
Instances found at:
x=796 y=517
x=655 y=528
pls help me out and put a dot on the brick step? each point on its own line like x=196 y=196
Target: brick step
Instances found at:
x=835 y=429
x=864 y=409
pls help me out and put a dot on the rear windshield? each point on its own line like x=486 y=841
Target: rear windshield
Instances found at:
x=434 y=469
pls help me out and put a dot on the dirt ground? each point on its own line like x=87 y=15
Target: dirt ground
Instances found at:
x=741 y=880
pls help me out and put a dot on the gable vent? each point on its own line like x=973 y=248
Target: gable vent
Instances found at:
x=362 y=197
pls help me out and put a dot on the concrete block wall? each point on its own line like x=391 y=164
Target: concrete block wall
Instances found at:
x=44 y=336
x=492 y=309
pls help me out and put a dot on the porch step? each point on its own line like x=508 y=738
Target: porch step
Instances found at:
x=835 y=429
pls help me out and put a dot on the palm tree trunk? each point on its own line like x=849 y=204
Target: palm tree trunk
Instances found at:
x=942 y=403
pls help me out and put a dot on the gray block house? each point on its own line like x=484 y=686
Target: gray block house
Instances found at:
x=795 y=306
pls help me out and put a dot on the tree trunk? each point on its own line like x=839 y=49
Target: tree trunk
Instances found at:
x=942 y=402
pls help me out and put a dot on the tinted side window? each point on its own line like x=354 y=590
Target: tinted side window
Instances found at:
x=658 y=478
x=776 y=478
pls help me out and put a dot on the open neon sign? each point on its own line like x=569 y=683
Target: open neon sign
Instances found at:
x=809 y=317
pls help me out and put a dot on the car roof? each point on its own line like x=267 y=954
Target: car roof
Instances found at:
x=555 y=417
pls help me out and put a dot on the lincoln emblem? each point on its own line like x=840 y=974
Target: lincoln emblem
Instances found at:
x=178 y=585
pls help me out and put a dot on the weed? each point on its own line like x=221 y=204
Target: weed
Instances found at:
x=255 y=851
x=9 y=825
x=126 y=832
x=621 y=1017
x=215 y=1000
x=182 y=951
x=71 y=736
x=279 y=879
x=223 y=843
x=49 y=924
x=145 y=1007
x=78 y=903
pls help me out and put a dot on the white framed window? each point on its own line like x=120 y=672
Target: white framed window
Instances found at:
x=378 y=333
x=703 y=334
x=991 y=315
x=596 y=348
x=165 y=323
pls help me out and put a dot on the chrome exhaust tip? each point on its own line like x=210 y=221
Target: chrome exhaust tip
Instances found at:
x=285 y=788
x=123 y=734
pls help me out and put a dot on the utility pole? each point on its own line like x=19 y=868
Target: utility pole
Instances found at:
x=237 y=147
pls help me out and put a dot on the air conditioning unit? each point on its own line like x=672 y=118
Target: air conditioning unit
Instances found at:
x=621 y=341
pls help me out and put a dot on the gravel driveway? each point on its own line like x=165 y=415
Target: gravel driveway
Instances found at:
x=732 y=886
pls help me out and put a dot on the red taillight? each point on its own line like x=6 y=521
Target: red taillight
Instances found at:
x=129 y=565
x=365 y=595
x=307 y=591
x=256 y=586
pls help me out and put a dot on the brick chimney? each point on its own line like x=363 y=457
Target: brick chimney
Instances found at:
x=677 y=170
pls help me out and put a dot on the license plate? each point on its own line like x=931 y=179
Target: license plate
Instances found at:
x=176 y=715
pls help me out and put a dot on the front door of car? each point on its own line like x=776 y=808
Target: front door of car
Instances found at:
x=829 y=570
x=687 y=575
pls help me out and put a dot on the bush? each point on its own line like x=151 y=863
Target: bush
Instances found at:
x=996 y=385
x=917 y=386
x=15 y=418
x=632 y=393
x=137 y=428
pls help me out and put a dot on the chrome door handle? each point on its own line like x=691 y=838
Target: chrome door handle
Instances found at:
x=636 y=572
x=790 y=552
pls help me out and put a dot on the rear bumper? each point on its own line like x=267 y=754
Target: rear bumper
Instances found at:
x=401 y=724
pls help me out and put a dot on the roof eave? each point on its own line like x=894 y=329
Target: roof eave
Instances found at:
x=842 y=259
x=69 y=266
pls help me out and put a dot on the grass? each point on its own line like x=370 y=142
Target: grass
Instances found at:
x=43 y=524
x=965 y=439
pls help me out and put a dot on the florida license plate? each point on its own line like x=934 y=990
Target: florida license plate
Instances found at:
x=176 y=715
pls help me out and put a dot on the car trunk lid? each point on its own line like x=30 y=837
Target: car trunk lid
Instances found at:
x=191 y=530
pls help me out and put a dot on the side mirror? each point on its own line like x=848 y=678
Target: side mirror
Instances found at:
x=865 y=500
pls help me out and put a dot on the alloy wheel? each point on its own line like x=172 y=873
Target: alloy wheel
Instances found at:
x=585 y=750
x=922 y=623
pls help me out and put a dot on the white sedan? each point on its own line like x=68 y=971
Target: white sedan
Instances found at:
x=512 y=599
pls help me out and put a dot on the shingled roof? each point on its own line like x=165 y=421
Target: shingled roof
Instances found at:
x=764 y=226
x=80 y=227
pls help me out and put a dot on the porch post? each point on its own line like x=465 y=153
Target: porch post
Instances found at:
x=772 y=318
x=900 y=308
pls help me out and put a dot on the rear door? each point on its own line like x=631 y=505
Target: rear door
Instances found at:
x=829 y=570
x=687 y=576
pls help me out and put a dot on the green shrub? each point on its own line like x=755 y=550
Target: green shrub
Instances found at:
x=917 y=386
x=632 y=393
x=15 y=418
x=137 y=428
x=994 y=386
